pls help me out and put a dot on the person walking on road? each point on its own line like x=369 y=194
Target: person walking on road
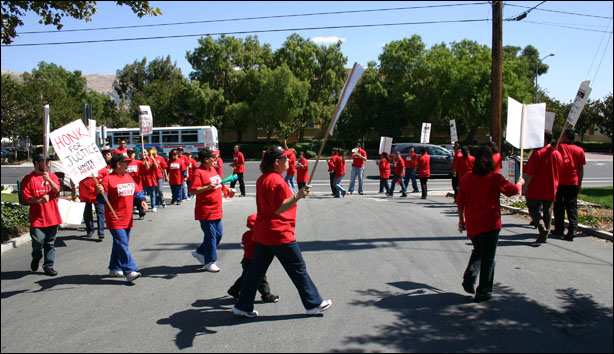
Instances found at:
x=339 y=162
x=399 y=172
x=88 y=194
x=292 y=167
x=384 y=173
x=411 y=159
x=331 y=171
x=238 y=165
x=206 y=185
x=424 y=171
x=176 y=174
x=359 y=156
x=40 y=189
x=302 y=170
x=479 y=212
x=274 y=237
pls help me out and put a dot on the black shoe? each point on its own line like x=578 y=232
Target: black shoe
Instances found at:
x=403 y=195
x=482 y=297
x=232 y=292
x=557 y=232
x=360 y=193
x=50 y=272
x=141 y=216
x=172 y=201
x=344 y=193
x=543 y=237
x=469 y=288
x=34 y=265
x=570 y=236
x=270 y=298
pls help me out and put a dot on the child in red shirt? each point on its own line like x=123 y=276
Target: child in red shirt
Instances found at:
x=249 y=246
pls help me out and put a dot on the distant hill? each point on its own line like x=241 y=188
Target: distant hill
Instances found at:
x=95 y=82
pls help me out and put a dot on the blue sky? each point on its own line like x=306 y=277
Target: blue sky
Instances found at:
x=582 y=50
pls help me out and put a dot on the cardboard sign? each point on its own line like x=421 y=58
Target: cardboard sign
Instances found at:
x=525 y=129
x=550 y=116
x=453 y=133
x=385 y=144
x=77 y=150
x=348 y=87
x=145 y=120
x=578 y=104
x=425 y=137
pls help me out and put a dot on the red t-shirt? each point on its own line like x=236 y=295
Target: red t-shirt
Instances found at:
x=339 y=166
x=87 y=187
x=161 y=165
x=249 y=246
x=544 y=165
x=120 y=190
x=331 y=165
x=399 y=167
x=358 y=162
x=135 y=168
x=479 y=196
x=410 y=160
x=148 y=176
x=424 y=166
x=496 y=157
x=272 y=229
x=46 y=214
x=573 y=158
x=463 y=165
x=303 y=172
x=384 y=168
x=220 y=168
x=192 y=165
x=120 y=151
x=209 y=203
x=239 y=159
x=291 y=165
x=175 y=169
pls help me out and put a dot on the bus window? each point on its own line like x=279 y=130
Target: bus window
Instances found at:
x=189 y=136
x=119 y=136
x=171 y=136
x=155 y=137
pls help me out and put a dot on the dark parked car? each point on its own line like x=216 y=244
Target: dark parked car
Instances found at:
x=6 y=153
x=439 y=167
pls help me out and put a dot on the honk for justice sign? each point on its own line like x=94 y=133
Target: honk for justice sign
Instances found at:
x=77 y=150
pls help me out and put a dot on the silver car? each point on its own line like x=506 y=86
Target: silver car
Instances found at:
x=441 y=159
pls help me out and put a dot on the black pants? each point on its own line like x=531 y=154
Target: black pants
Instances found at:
x=241 y=183
x=301 y=184
x=545 y=215
x=566 y=200
x=263 y=288
x=482 y=261
x=332 y=183
x=423 y=181
x=455 y=186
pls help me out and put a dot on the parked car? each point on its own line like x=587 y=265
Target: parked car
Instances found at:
x=6 y=153
x=439 y=167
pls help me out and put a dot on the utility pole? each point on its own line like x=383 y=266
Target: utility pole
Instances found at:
x=496 y=91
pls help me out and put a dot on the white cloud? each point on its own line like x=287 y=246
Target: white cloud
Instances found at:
x=331 y=39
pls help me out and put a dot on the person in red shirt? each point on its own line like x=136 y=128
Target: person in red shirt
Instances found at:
x=274 y=237
x=542 y=180
x=292 y=169
x=40 y=189
x=219 y=165
x=456 y=154
x=176 y=173
x=87 y=194
x=463 y=164
x=331 y=171
x=249 y=246
x=122 y=192
x=424 y=171
x=149 y=179
x=359 y=156
x=411 y=159
x=191 y=165
x=496 y=156
x=238 y=165
x=206 y=185
x=339 y=162
x=399 y=172
x=161 y=175
x=122 y=149
x=135 y=170
x=570 y=182
x=184 y=185
x=384 y=173
x=479 y=212
x=302 y=168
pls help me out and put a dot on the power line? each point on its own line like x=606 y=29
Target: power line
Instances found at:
x=523 y=15
x=259 y=18
x=564 y=26
x=248 y=32
x=560 y=12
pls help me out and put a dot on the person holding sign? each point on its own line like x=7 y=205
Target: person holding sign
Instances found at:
x=40 y=189
x=359 y=156
x=384 y=173
x=122 y=192
x=542 y=181
x=88 y=194
x=424 y=170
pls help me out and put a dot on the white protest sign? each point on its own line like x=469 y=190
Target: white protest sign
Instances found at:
x=453 y=133
x=145 y=120
x=77 y=150
x=385 y=144
x=425 y=137
x=348 y=87
x=578 y=104
x=550 y=116
x=534 y=124
x=91 y=127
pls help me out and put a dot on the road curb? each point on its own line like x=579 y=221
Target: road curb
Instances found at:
x=16 y=242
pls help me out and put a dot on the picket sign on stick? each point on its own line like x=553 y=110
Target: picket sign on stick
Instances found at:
x=525 y=126
x=576 y=109
x=45 y=135
x=145 y=127
x=348 y=87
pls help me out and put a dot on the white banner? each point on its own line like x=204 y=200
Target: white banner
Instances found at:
x=385 y=144
x=534 y=124
x=145 y=120
x=453 y=133
x=348 y=87
x=425 y=137
x=77 y=150
x=578 y=104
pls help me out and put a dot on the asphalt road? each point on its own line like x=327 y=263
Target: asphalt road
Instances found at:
x=392 y=267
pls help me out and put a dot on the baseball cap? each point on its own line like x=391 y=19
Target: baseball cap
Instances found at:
x=206 y=153
x=274 y=153
x=119 y=158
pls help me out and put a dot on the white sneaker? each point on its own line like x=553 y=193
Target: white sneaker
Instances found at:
x=154 y=209
x=116 y=274
x=211 y=267
x=323 y=307
x=132 y=276
x=239 y=312
x=199 y=257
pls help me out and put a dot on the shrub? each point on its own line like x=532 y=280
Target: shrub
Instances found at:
x=15 y=220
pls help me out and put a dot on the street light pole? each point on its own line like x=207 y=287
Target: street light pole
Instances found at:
x=537 y=61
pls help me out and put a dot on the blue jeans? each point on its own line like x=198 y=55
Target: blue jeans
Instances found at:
x=340 y=189
x=88 y=218
x=43 y=239
x=383 y=185
x=177 y=191
x=356 y=171
x=290 y=257
x=394 y=183
x=290 y=180
x=160 y=193
x=151 y=192
x=410 y=173
x=121 y=259
x=213 y=235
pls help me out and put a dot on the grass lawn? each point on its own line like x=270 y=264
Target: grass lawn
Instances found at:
x=9 y=198
x=597 y=195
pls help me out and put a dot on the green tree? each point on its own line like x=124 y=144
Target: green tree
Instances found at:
x=605 y=122
x=52 y=12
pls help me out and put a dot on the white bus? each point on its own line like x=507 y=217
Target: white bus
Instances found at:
x=165 y=138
